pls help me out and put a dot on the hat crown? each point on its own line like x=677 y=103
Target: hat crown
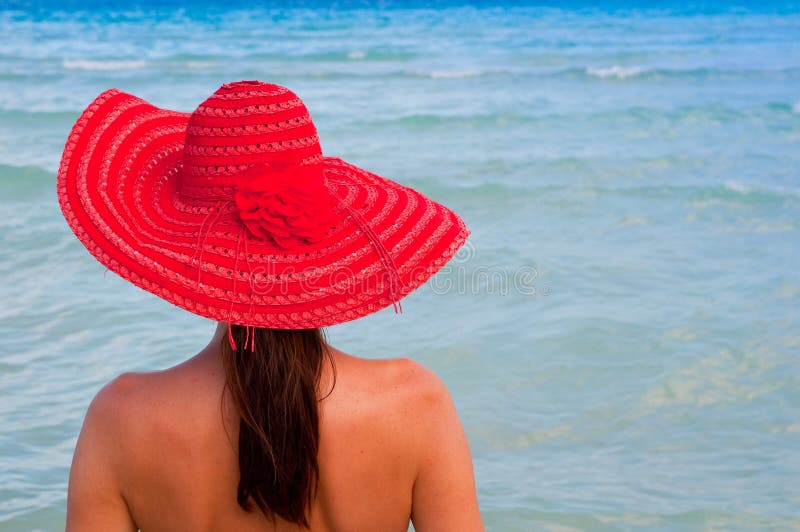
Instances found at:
x=242 y=124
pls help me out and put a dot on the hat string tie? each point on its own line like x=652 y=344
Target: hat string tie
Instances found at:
x=235 y=278
x=251 y=336
x=383 y=253
x=201 y=236
x=200 y=249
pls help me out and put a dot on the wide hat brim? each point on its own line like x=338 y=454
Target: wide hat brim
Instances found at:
x=119 y=187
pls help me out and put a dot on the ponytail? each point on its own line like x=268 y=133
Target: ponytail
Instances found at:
x=274 y=387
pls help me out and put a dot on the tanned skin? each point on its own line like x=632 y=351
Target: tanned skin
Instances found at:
x=153 y=453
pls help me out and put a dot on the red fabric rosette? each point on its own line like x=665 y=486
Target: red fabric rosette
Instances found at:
x=286 y=203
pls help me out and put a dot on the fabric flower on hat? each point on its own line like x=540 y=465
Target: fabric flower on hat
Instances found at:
x=287 y=203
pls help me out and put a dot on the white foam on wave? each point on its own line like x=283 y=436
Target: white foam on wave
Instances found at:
x=736 y=186
x=103 y=64
x=741 y=188
x=615 y=71
x=452 y=74
x=796 y=107
x=357 y=54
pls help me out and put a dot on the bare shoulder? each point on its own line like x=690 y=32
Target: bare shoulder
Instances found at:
x=100 y=466
x=402 y=395
x=133 y=404
x=444 y=494
x=122 y=401
x=417 y=384
x=424 y=396
x=401 y=379
x=423 y=421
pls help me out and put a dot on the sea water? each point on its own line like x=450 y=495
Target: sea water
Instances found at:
x=621 y=335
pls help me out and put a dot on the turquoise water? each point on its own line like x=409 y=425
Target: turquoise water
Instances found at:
x=622 y=334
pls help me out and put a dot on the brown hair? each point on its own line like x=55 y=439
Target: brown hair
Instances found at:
x=273 y=383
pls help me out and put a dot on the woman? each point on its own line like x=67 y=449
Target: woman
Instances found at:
x=233 y=213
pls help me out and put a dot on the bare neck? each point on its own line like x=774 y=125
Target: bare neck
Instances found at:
x=219 y=333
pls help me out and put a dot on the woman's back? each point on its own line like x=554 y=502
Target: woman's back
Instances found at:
x=390 y=444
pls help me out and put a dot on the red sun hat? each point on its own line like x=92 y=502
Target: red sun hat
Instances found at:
x=232 y=212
